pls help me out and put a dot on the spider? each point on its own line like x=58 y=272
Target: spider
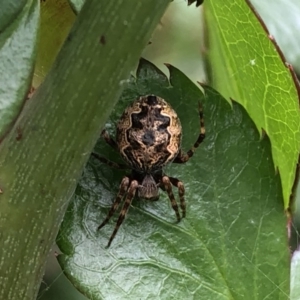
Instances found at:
x=148 y=138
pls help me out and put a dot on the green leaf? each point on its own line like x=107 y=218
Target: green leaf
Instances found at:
x=231 y=245
x=246 y=67
x=9 y=12
x=282 y=20
x=18 y=26
x=76 y=5
x=295 y=276
x=57 y=18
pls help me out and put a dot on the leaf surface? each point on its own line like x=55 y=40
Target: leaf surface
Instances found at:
x=57 y=19
x=19 y=22
x=295 y=271
x=231 y=245
x=245 y=66
x=76 y=5
x=281 y=18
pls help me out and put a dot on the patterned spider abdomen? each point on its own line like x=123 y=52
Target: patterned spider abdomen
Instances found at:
x=149 y=134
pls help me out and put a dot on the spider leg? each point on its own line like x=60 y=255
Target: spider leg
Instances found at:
x=110 y=163
x=122 y=190
x=184 y=157
x=168 y=187
x=176 y=182
x=130 y=194
x=109 y=140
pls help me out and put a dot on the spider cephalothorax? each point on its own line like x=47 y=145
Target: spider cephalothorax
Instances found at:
x=148 y=138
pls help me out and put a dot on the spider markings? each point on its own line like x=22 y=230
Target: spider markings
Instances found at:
x=149 y=134
x=148 y=138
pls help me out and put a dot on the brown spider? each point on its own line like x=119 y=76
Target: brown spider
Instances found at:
x=148 y=137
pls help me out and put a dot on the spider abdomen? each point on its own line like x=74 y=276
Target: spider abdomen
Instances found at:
x=149 y=134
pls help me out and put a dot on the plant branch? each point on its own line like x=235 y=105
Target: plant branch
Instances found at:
x=43 y=156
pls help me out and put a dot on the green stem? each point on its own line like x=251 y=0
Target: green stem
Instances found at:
x=43 y=156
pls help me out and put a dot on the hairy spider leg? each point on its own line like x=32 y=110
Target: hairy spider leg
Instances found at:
x=130 y=195
x=110 y=163
x=168 y=187
x=184 y=157
x=180 y=186
x=122 y=191
x=109 y=140
x=113 y=144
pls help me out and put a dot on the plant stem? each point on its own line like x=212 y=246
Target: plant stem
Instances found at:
x=42 y=157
